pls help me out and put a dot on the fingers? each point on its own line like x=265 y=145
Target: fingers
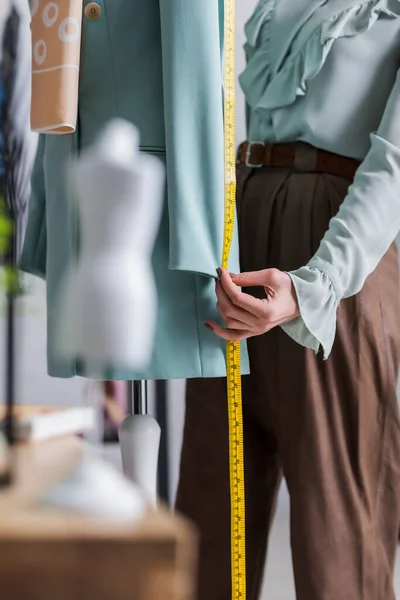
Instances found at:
x=246 y=316
x=251 y=279
x=264 y=278
x=250 y=304
x=234 y=317
x=236 y=335
x=231 y=322
x=228 y=334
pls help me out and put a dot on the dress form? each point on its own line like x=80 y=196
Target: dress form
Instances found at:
x=108 y=301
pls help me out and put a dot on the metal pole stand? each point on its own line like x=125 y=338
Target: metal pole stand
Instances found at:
x=139 y=437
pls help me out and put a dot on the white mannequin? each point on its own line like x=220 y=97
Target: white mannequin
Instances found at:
x=108 y=301
x=109 y=297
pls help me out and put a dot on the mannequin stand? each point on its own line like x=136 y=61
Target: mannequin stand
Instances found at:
x=137 y=398
x=139 y=436
x=161 y=413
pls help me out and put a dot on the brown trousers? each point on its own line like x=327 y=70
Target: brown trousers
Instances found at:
x=331 y=428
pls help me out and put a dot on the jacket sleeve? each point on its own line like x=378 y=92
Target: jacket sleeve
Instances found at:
x=358 y=236
x=34 y=251
x=193 y=106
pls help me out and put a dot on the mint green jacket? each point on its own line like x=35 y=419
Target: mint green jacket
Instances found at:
x=156 y=63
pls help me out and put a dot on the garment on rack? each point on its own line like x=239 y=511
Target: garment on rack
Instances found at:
x=17 y=143
x=56 y=42
x=327 y=73
x=156 y=63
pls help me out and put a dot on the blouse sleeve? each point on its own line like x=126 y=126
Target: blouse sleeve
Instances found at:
x=367 y=223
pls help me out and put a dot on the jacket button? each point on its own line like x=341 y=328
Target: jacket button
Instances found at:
x=93 y=11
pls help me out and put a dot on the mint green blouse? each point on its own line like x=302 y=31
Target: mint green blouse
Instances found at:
x=327 y=72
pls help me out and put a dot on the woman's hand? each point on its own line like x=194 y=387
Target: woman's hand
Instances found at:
x=246 y=316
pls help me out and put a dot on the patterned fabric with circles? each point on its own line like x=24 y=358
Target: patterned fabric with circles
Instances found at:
x=56 y=39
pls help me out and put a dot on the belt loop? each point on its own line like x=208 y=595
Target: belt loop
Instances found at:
x=305 y=158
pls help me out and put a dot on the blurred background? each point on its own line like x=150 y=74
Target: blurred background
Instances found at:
x=34 y=386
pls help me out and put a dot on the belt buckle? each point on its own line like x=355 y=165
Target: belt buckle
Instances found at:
x=248 y=155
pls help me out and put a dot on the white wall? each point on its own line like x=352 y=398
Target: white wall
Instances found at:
x=33 y=384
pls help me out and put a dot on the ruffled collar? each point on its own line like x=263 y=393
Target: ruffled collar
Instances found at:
x=303 y=50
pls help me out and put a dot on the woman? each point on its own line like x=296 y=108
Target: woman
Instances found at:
x=319 y=209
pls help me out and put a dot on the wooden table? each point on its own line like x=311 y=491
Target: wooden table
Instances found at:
x=46 y=555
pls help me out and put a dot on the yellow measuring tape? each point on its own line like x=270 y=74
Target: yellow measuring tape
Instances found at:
x=236 y=454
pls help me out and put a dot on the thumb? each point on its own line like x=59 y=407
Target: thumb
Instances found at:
x=251 y=279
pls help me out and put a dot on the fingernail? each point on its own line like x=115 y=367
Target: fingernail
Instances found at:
x=208 y=326
x=232 y=275
x=219 y=272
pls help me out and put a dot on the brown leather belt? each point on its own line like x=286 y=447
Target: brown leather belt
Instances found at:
x=297 y=156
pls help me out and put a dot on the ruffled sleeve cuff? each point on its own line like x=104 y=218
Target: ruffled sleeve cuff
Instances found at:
x=318 y=302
